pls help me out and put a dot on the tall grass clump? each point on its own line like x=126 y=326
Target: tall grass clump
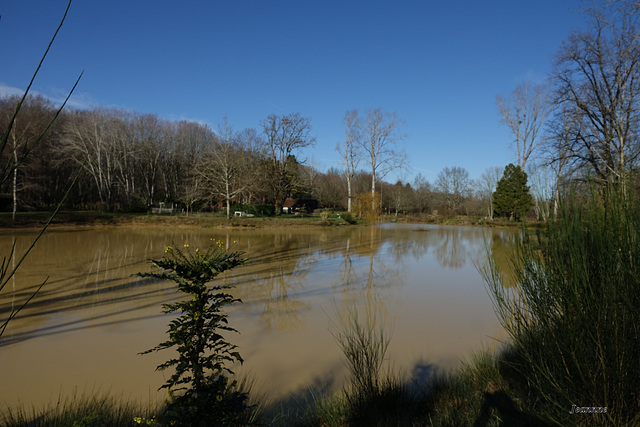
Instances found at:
x=574 y=316
x=91 y=409
x=372 y=397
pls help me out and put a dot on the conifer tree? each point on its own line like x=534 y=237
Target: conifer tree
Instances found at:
x=512 y=198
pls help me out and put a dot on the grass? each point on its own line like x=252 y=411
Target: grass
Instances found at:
x=207 y=220
x=87 y=410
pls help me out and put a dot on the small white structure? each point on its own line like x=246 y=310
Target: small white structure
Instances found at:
x=243 y=214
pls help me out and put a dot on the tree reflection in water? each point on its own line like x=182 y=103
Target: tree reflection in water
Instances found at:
x=412 y=276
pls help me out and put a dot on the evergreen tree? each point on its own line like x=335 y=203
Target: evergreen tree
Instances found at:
x=512 y=197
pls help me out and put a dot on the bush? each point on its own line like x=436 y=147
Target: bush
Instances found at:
x=573 y=316
x=369 y=206
x=348 y=218
x=204 y=391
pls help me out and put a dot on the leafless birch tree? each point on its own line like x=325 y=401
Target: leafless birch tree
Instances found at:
x=524 y=112
x=351 y=151
x=88 y=141
x=381 y=135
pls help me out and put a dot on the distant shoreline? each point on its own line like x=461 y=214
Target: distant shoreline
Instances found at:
x=26 y=221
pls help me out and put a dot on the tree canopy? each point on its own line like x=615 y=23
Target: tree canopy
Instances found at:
x=512 y=198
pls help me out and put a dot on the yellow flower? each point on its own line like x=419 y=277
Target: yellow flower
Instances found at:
x=186 y=245
x=167 y=249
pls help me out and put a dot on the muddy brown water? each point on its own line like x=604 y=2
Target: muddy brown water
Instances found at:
x=82 y=333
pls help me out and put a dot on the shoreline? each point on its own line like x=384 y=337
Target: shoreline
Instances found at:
x=73 y=220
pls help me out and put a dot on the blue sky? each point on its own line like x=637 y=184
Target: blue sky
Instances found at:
x=438 y=64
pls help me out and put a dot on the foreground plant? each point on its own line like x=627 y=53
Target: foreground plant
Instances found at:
x=372 y=397
x=10 y=161
x=573 y=317
x=200 y=390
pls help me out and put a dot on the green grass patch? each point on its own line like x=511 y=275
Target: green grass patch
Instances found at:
x=86 y=410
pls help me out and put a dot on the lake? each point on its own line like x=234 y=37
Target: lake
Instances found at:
x=83 y=332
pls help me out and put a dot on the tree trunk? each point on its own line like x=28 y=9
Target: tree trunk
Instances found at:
x=349 y=196
x=373 y=194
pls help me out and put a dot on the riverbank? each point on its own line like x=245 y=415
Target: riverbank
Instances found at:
x=206 y=220
x=75 y=219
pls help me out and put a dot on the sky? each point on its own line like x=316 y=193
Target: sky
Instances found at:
x=439 y=65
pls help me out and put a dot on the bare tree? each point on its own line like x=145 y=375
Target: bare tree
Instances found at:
x=487 y=184
x=524 y=113
x=331 y=188
x=308 y=178
x=27 y=148
x=284 y=136
x=89 y=141
x=561 y=142
x=423 y=192
x=185 y=143
x=224 y=168
x=351 y=151
x=253 y=145
x=455 y=184
x=541 y=179
x=381 y=134
x=597 y=73
x=401 y=197
x=151 y=137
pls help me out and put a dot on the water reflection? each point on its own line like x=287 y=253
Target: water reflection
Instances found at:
x=95 y=312
x=88 y=273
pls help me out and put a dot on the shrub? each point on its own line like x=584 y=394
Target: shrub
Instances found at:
x=369 y=206
x=573 y=316
x=348 y=218
x=204 y=391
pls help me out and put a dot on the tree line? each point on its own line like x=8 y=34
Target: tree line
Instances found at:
x=130 y=160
